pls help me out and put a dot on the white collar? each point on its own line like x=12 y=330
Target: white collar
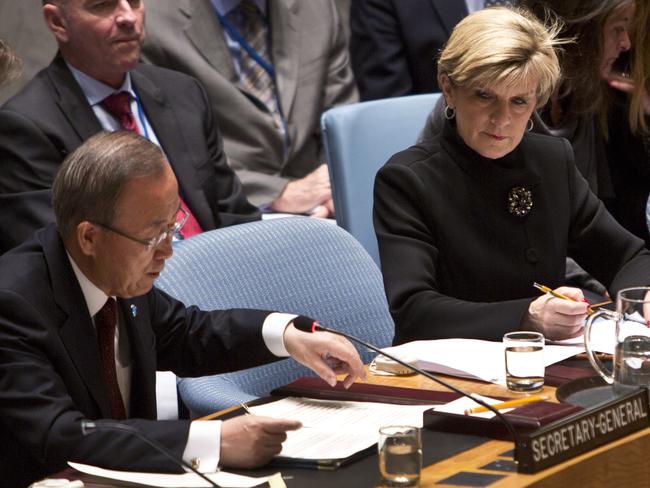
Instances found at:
x=95 y=298
x=95 y=90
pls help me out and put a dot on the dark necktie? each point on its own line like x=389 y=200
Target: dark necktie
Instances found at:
x=105 y=323
x=119 y=105
x=253 y=77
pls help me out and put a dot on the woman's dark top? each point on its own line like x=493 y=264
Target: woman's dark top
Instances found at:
x=628 y=156
x=456 y=263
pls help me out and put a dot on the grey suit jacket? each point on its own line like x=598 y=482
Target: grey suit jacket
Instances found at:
x=312 y=72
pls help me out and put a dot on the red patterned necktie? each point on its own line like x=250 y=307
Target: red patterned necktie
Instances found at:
x=105 y=323
x=119 y=105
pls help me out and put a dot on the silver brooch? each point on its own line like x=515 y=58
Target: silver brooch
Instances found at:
x=520 y=201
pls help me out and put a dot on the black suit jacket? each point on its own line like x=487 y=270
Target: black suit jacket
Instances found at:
x=51 y=117
x=50 y=371
x=393 y=44
x=457 y=263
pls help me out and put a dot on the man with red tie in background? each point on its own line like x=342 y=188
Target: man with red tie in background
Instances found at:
x=96 y=83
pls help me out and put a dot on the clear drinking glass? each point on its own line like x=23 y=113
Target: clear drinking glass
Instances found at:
x=524 y=355
x=632 y=339
x=400 y=455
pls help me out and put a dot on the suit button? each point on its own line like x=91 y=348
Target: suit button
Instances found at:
x=532 y=256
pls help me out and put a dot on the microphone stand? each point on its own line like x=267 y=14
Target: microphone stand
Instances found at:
x=300 y=324
x=88 y=427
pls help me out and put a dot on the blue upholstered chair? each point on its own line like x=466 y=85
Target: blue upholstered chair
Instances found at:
x=300 y=265
x=359 y=138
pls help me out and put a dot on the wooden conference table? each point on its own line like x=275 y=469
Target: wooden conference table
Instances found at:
x=622 y=463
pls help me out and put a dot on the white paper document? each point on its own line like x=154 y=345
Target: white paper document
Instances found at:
x=603 y=334
x=336 y=429
x=471 y=358
x=186 y=480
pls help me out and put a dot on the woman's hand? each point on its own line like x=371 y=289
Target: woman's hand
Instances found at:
x=557 y=318
x=626 y=85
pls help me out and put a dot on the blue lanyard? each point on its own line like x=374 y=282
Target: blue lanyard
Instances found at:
x=239 y=39
x=143 y=122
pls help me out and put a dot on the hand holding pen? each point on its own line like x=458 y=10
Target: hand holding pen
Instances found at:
x=558 y=314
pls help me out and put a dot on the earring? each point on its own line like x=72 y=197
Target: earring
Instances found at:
x=530 y=125
x=450 y=112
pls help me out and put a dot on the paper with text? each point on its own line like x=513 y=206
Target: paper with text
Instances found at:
x=336 y=429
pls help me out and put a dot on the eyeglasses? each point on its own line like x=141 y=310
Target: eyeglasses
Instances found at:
x=154 y=241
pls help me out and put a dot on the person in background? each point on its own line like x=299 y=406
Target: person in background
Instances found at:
x=270 y=70
x=95 y=83
x=469 y=219
x=394 y=43
x=578 y=108
x=10 y=65
x=83 y=330
x=628 y=141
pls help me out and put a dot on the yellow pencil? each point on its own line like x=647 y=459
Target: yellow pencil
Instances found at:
x=508 y=404
x=556 y=294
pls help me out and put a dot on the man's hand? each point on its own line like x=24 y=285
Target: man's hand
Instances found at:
x=327 y=354
x=557 y=318
x=312 y=193
x=250 y=441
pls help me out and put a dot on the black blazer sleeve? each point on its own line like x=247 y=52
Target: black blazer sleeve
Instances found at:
x=410 y=260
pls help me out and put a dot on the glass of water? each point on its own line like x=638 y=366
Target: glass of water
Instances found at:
x=524 y=353
x=400 y=455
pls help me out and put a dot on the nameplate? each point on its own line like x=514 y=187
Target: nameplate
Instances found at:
x=584 y=431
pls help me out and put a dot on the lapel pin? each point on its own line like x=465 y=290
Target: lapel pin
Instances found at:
x=134 y=311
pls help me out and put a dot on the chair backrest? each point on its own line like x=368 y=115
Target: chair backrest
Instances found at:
x=299 y=265
x=359 y=138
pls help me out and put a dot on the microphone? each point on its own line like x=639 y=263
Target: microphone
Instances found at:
x=309 y=325
x=89 y=426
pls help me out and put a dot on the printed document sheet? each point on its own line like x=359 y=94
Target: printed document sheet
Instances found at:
x=336 y=429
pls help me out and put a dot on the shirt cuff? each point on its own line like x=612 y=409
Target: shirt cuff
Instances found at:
x=273 y=332
x=203 y=447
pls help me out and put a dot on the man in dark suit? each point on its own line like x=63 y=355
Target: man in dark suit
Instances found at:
x=99 y=48
x=393 y=44
x=63 y=361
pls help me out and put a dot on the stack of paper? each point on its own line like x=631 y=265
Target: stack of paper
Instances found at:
x=471 y=358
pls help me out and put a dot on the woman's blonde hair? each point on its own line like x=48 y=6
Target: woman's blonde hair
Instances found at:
x=497 y=45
